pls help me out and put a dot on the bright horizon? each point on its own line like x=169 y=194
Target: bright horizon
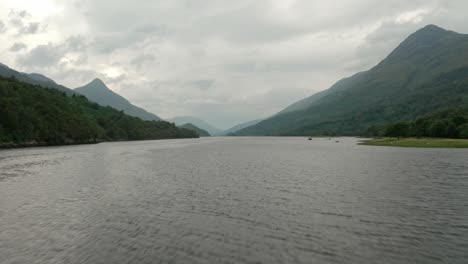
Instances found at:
x=223 y=62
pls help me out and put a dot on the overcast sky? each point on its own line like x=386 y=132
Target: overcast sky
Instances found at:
x=223 y=61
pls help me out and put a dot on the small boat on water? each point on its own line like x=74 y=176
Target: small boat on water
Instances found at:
x=310 y=138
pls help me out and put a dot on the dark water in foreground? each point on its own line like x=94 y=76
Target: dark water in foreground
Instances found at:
x=233 y=200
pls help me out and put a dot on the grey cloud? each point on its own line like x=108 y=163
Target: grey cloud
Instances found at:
x=21 y=21
x=2 y=26
x=77 y=76
x=50 y=54
x=17 y=23
x=226 y=61
x=19 y=13
x=107 y=42
x=76 y=43
x=140 y=60
x=42 y=56
x=202 y=84
x=30 y=28
x=112 y=80
x=18 y=46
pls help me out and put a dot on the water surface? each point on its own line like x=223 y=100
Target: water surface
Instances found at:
x=233 y=200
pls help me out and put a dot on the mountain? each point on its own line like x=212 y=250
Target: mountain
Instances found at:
x=98 y=92
x=34 y=78
x=182 y=120
x=30 y=115
x=200 y=132
x=234 y=129
x=41 y=78
x=427 y=72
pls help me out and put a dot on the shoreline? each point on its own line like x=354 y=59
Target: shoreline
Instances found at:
x=11 y=145
x=417 y=142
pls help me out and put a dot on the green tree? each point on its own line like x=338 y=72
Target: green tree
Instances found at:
x=463 y=131
x=439 y=129
x=400 y=129
x=452 y=130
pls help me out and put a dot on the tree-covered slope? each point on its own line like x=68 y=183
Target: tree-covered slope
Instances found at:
x=98 y=92
x=200 y=132
x=33 y=115
x=425 y=73
x=447 y=123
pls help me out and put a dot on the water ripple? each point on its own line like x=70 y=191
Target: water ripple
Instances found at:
x=233 y=200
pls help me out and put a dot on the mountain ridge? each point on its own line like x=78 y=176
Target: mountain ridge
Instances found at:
x=35 y=79
x=234 y=129
x=200 y=132
x=181 y=120
x=432 y=61
x=98 y=92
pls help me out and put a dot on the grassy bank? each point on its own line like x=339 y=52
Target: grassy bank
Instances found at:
x=418 y=143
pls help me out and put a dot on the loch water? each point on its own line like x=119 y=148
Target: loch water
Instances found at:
x=233 y=200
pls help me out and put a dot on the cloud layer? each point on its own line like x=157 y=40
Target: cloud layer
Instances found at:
x=224 y=61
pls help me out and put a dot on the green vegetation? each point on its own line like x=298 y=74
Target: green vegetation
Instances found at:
x=33 y=115
x=449 y=123
x=199 y=131
x=418 y=143
x=443 y=129
x=428 y=72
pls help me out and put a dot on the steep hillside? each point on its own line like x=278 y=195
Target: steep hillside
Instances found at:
x=98 y=92
x=182 y=120
x=31 y=115
x=234 y=129
x=200 y=132
x=425 y=73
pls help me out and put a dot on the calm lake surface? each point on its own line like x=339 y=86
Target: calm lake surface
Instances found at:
x=233 y=200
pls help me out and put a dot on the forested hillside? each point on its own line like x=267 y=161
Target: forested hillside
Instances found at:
x=34 y=115
x=98 y=92
x=427 y=72
x=449 y=123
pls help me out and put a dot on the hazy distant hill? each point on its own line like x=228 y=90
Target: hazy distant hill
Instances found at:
x=98 y=92
x=200 y=132
x=182 y=120
x=33 y=78
x=238 y=127
x=425 y=73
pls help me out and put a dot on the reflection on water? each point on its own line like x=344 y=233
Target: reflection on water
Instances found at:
x=233 y=200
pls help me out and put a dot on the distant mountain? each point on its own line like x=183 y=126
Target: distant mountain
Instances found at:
x=200 y=132
x=41 y=78
x=98 y=92
x=34 y=78
x=427 y=72
x=238 y=127
x=182 y=120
